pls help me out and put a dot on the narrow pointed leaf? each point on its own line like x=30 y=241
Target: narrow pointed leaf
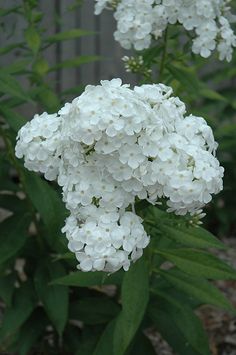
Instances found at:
x=67 y=35
x=49 y=204
x=198 y=263
x=195 y=237
x=87 y=279
x=198 y=288
x=10 y=86
x=7 y=287
x=186 y=76
x=179 y=326
x=13 y=236
x=94 y=310
x=105 y=343
x=13 y=118
x=53 y=297
x=10 y=47
x=30 y=332
x=142 y=346
x=75 y=62
x=134 y=298
x=23 y=304
x=87 y=343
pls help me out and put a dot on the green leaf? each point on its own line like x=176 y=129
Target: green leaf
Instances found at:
x=48 y=99
x=12 y=102
x=5 y=179
x=198 y=263
x=151 y=54
x=186 y=76
x=179 y=326
x=88 y=279
x=105 y=343
x=72 y=337
x=88 y=341
x=49 y=204
x=226 y=130
x=54 y=298
x=161 y=284
x=10 y=47
x=23 y=305
x=41 y=66
x=142 y=346
x=134 y=299
x=30 y=332
x=71 y=34
x=211 y=94
x=75 y=62
x=13 y=236
x=7 y=287
x=195 y=237
x=199 y=288
x=66 y=256
x=14 y=119
x=9 y=10
x=17 y=67
x=94 y=310
x=12 y=203
x=10 y=86
x=33 y=39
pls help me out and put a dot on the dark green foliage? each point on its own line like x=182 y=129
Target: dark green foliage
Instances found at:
x=179 y=325
x=134 y=298
x=53 y=297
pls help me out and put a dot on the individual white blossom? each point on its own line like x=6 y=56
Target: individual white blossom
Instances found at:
x=139 y=21
x=111 y=146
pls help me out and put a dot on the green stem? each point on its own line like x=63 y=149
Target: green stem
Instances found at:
x=164 y=56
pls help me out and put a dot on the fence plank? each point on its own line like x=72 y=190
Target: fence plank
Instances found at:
x=49 y=25
x=88 y=44
x=112 y=66
x=102 y=43
x=68 y=48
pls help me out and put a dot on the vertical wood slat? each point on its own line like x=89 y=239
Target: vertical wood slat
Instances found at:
x=112 y=66
x=48 y=9
x=88 y=44
x=10 y=23
x=68 y=48
x=102 y=43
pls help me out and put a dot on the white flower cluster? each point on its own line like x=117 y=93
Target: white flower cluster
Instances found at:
x=140 y=20
x=111 y=146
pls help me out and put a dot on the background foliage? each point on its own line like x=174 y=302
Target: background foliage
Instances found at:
x=49 y=307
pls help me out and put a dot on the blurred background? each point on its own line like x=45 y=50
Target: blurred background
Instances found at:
x=60 y=16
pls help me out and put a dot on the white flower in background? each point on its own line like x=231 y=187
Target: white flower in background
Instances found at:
x=112 y=145
x=139 y=21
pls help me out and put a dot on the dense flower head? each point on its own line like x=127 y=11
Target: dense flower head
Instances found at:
x=111 y=146
x=138 y=21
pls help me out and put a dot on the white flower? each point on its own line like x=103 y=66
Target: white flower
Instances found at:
x=132 y=155
x=112 y=145
x=140 y=20
x=39 y=143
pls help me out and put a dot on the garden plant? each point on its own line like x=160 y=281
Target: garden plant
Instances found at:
x=112 y=197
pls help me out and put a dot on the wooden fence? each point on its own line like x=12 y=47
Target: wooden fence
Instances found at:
x=102 y=44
